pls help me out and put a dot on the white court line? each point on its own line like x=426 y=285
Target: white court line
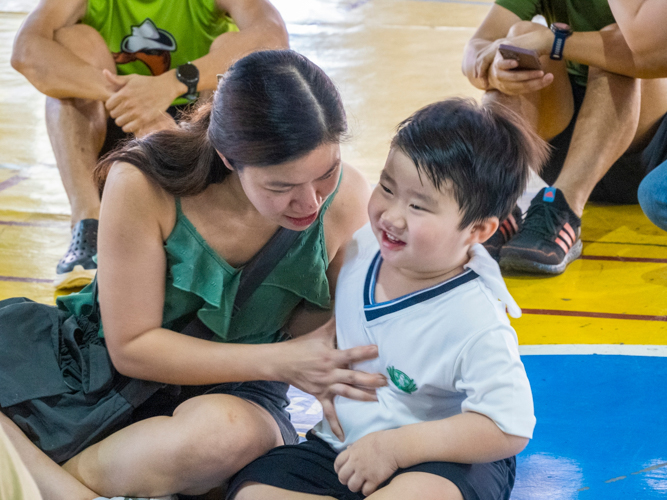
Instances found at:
x=610 y=349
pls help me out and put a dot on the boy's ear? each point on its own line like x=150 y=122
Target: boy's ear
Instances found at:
x=484 y=229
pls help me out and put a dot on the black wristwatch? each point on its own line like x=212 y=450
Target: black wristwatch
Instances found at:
x=561 y=32
x=188 y=74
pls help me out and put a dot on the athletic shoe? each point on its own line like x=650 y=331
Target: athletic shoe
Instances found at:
x=506 y=230
x=77 y=267
x=549 y=239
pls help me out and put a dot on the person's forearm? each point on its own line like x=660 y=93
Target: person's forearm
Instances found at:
x=232 y=46
x=607 y=49
x=465 y=438
x=173 y=358
x=472 y=49
x=57 y=72
x=642 y=25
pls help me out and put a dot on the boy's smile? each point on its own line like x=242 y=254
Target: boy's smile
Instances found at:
x=417 y=224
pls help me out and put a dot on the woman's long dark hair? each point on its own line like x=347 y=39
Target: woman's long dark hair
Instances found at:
x=270 y=107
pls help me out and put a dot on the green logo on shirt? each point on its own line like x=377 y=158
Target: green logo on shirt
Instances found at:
x=401 y=380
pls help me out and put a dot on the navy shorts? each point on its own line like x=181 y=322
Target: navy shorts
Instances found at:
x=621 y=182
x=309 y=468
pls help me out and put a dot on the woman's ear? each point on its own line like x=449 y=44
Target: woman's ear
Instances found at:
x=484 y=229
x=225 y=161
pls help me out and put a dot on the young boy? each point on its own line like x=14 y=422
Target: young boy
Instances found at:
x=418 y=283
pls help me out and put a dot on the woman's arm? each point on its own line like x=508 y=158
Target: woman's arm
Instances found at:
x=131 y=275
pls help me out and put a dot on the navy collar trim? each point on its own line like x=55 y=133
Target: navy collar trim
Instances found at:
x=373 y=310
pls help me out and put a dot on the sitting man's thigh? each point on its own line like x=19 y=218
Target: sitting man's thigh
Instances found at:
x=418 y=486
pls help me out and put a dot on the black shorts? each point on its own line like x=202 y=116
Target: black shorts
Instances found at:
x=309 y=468
x=115 y=135
x=272 y=396
x=620 y=183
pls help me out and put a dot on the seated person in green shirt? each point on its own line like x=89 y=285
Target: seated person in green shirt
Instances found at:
x=113 y=68
x=599 y=104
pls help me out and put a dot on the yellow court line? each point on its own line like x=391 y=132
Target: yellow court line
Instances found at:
x=536 y=329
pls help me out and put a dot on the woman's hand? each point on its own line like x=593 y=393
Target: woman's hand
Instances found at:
x=311 y=363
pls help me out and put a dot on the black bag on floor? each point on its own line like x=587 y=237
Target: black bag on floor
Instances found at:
x=57 y=382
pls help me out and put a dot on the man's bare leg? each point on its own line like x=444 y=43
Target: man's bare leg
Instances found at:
x=606 y=127
x=76 y=129
x=53 y=482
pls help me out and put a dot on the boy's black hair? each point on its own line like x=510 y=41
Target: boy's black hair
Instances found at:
x=484 y=151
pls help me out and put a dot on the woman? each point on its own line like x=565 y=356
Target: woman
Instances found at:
x=183 y=210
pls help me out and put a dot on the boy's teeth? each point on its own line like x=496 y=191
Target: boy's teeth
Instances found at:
x=390 y=237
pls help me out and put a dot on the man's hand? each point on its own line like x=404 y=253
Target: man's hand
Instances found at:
x=140 y=102
x=483 y=62
x=367 y=463
x=504 y=78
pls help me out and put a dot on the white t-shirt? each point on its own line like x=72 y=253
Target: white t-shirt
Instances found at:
x=445 y=350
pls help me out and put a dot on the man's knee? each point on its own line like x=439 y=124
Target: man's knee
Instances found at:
x=523 y=27
x=86 y=43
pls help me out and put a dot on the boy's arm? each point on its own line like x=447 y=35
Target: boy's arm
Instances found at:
x=466 y=438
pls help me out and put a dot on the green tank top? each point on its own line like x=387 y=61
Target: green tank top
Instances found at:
x=150 y=37
x=201 y=283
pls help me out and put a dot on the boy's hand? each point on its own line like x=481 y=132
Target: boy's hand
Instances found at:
x=367 y=463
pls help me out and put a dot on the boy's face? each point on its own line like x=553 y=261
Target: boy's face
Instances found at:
x=416 y=224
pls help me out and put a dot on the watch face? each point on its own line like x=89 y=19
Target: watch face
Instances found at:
x=561 y=27
x=188 y=72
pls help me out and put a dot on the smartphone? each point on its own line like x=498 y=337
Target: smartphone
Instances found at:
x=527 y=59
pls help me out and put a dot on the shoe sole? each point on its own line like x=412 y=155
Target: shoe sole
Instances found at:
x=514 y=263
x=76 y=278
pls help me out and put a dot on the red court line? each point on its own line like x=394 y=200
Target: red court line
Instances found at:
x=12 y=181
x=586 y=314
x=622 y=259
x=25 y=280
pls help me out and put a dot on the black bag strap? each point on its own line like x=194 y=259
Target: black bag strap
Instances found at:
x=252 y=275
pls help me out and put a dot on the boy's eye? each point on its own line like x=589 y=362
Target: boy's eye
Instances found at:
x=385 y=188
x=416 y=207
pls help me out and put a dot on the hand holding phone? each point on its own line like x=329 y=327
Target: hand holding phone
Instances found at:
x=527 y=59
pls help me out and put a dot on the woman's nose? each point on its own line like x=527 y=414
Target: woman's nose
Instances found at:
x=309 y=200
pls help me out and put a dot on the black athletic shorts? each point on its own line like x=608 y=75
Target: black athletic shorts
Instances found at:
x=620 y=183
x=309 y=468
x=115 y=135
